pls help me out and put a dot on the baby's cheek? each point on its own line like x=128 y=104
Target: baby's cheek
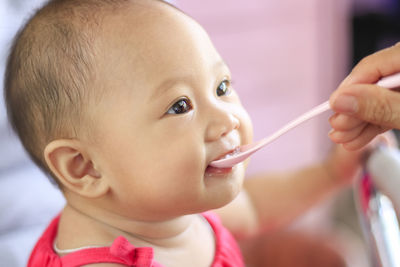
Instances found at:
x=246 y=128
x=186 y=160
x=246 y=125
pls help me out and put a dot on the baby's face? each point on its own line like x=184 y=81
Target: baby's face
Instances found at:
x=168 y=112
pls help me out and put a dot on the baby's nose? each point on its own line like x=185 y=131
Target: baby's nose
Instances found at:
x=220 y=124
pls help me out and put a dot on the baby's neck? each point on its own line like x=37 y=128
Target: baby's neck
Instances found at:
x=182 y=241
x=165 y=234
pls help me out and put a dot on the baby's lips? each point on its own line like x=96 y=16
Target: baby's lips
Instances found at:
x=210 y=170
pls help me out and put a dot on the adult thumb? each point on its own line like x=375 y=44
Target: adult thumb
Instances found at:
x=371 y=103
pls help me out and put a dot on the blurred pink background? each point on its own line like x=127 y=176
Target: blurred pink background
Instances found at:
x=286 y=57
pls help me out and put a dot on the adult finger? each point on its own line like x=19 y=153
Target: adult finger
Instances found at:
x=343 y=122
x=347 y=136
x=373 y=67
x=365 y=137
x=371 y=103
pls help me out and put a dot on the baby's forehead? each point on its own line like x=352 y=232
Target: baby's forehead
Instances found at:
x=142 y=24
x=149 y=39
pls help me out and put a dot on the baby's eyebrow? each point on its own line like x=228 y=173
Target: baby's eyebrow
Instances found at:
x=165 y=85
x=184 y=79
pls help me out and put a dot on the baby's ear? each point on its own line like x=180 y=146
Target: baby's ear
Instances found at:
x=74 y=169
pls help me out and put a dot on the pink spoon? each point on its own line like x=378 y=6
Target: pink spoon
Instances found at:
x=243 y=152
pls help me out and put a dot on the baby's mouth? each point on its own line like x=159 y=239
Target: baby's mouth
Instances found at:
x=210 y=170
x=215 y=170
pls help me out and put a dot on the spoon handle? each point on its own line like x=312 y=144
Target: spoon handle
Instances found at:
x=390 y=82
x=292 y=124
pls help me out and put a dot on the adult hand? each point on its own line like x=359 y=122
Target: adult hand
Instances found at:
x=363 y=109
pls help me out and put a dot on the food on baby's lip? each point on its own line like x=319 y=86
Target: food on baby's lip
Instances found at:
x=233 y=153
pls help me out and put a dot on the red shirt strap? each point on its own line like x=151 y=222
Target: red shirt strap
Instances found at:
x=121 y=252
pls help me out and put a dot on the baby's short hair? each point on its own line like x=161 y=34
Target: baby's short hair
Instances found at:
x=50 y=72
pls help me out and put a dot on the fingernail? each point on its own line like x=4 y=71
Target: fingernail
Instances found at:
x=345 y=104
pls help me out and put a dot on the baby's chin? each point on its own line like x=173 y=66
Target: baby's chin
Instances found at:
x=221 y=193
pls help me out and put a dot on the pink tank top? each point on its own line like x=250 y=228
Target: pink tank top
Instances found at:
x=227 y=253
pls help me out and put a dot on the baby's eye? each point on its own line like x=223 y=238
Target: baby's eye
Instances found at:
x=181 y=106
x=223 y=88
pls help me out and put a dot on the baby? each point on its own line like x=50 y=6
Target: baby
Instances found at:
x=125 y=104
